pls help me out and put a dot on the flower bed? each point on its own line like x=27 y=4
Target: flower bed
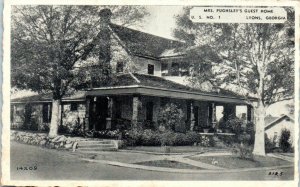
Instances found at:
x=137 y=137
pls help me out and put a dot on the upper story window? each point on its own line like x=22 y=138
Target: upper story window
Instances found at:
x=174 y=71
x=164 y=69
x=74 y=106
x=150 y=69
x=120 y=67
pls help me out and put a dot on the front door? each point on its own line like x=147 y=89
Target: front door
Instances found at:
x=99 y=113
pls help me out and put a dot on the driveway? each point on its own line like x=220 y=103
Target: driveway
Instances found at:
x=61 y=165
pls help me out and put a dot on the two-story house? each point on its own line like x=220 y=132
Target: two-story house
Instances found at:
x=151 y=72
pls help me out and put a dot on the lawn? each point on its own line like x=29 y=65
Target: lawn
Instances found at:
x=168 y=164
x=233 y=162
x=175 y=149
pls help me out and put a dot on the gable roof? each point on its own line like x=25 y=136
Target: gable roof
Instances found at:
x=276 y=121
x=143 y=44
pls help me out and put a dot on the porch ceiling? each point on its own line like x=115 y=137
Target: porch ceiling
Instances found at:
x=162 y=92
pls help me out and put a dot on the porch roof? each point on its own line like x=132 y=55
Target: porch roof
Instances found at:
x=148 y=85
x=134 y=83
x=47 y=97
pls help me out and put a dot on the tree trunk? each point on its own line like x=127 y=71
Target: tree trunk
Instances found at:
x=259 y=142
x=55 y=118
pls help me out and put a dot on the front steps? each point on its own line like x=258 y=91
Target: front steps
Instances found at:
x=96 y=145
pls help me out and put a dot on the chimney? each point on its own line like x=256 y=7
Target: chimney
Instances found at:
x=105 y=15
x=104 y=42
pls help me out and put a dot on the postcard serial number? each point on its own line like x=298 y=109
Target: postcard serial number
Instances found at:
x=27 y=168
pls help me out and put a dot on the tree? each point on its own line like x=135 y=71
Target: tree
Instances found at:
x=48 y=43
x=256 y=59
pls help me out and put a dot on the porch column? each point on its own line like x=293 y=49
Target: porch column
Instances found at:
x=213 y=115
x=110 y=104
x=87 y=114
x=136 y=107
x=250 y=113
x=192 y=116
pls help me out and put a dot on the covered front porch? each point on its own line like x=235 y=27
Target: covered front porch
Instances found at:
x=139 y=106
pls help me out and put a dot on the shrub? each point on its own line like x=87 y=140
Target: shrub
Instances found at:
x=171 y=117
x=284 y=140
x=150 y=137
x=269 y=144
x=207 y=141
x=227 y=140
x=133 y=137
x=250 y=126
x=73 y=128
x=234 y=125
x=242 y=151
x=167 y=138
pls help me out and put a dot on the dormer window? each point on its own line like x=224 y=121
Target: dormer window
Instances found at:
x=174 y=69
x=120 y=67
x=150 y=69
x=164 y=69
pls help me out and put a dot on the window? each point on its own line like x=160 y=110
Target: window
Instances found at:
x=149 y=111
x=164 y=69
x=174 y=69
x=74 y=106
x=46 y=113
x=150 y=69
x=120 y=67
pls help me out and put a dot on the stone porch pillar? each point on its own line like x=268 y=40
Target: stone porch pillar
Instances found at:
x=87 y=114
x=136 y=107
x=110 y=104
x=192 y=116
x=250 y=113
x=213 y=115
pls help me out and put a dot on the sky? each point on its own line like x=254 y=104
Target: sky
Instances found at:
x=161 y=20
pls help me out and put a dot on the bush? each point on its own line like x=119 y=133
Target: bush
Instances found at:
x=150 y=137
x=234 y=125
x=250 y=130
x=242 y=151
x=269 y=144
x=136 y=137
x=73 y=128
x=171 y=117
x=207 y=141
x=227 y=140
x=284 y=140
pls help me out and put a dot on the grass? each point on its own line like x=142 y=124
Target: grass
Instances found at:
x=174 y=149
x=233 y=162
x=168 y=164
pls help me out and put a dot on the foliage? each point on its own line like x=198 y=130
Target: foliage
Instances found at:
x=50 y=44
x=284 y=140
x=170 y=117
x=242 y=151
x=250 y=126
x=207 y=141
x=269 y=144
x=234 y=125
x=256 y=59
x=73 y=128
x=148 y=137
